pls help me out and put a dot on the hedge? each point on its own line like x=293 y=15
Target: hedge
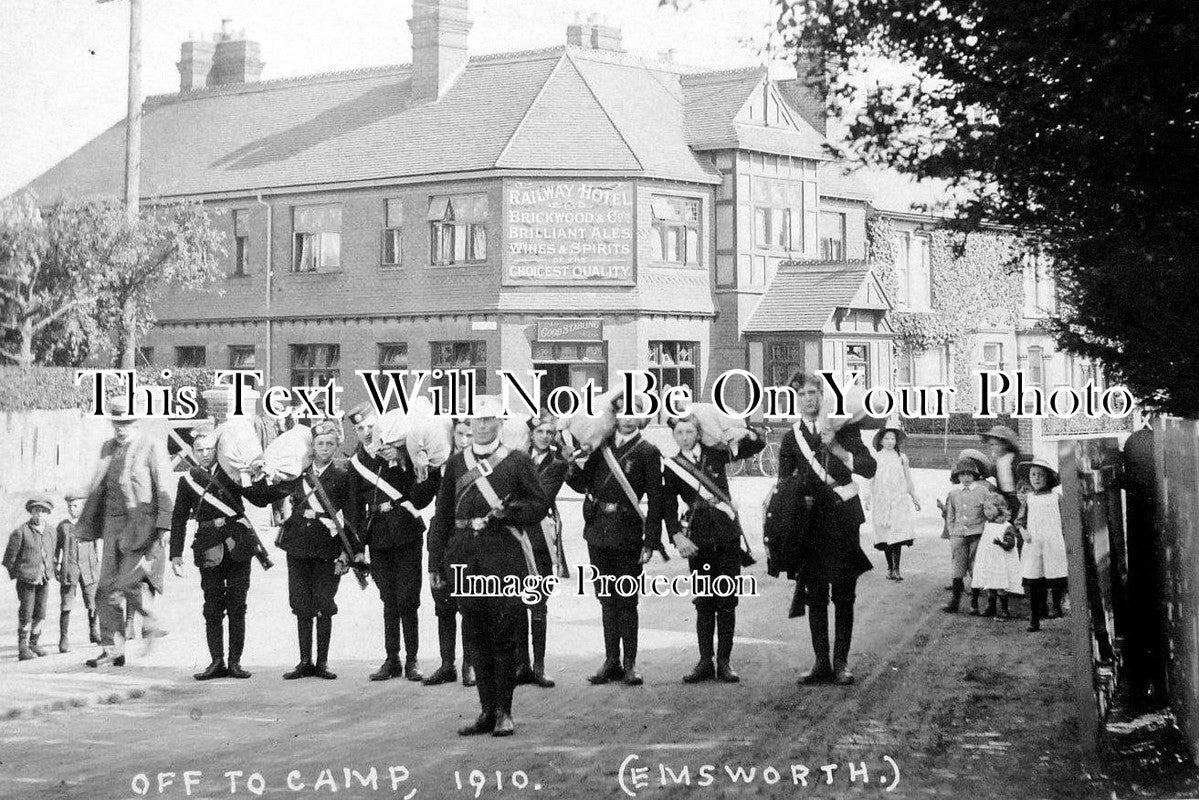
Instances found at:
x=51 y=388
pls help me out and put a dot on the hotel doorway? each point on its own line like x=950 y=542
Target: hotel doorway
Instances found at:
x=571 y=365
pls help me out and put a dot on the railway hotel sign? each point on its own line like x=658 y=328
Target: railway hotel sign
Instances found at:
x=568 y=232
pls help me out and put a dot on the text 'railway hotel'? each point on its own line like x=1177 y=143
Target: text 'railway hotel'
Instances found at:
x=577 y=209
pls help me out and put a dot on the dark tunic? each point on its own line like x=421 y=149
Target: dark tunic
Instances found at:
x=833 y=550
x=214 y=528
x=80 y=560
x=397 y=526
x=610 y=520
x=551 y=472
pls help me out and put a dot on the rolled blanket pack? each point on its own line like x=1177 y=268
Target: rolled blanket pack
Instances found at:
x=515 y=433
x=237 y=447
x=288 y=455
x=855 y=406
x=717 y=429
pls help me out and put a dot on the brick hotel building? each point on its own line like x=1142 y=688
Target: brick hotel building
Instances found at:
x=576 y=209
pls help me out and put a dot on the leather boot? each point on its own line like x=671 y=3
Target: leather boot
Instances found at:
x=1004 y=611
x=703 y=671
x=408 y=623
x=537 y=631
x=1056 y=612
x=446 y=673
x=974 y=593
x=324 y=633
x=992 y=601
x=726 y=624
x=955 y=601
x=304 y=668
x=468 y=671
x=389 y=669
x=37 y=649
x=93 y=623
x=822 y=669
x=608 y=671
x=631 y=676
x=64 y=628
x=214 y=670
x=23 y=651
x=484 y=724
x=844 y=632
x=503 y=724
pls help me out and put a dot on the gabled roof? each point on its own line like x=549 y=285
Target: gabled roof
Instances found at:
x=803 y=296
x=559 y=108
x=715 y=102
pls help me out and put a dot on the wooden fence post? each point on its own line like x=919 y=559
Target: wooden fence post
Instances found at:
x=1080 y=609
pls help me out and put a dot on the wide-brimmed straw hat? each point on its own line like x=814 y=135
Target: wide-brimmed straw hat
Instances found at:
x=1022 y=469
x=1003 y=433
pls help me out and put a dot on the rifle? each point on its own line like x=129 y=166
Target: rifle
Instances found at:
x=359 y=568
x=260 y=551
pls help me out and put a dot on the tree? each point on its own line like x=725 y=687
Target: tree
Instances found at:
x=39 y=293
x=79 y=273
x=169 y=247
x=1073 y=121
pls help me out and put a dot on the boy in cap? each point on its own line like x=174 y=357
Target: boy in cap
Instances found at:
x=489 y=506
x=965 y=520
x=76 y=566
x=620 y=539
x=387 y=494
x=29 y=559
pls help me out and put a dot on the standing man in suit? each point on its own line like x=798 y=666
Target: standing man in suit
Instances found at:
x=316 y=559
x=388 y=496
x=489 y=506
x=77 y=566
x=129 y=507
x=223 y=549
x=833 y=557
x=620 y=538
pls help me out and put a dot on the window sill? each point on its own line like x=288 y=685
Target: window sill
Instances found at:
x=458 y=264
x=674 y=265
x=318 y=273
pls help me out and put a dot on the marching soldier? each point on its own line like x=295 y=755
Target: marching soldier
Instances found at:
x=223 y=549
x=129 y=506
x=312 y=539
x=708 y=534
x=77 y=566
x=620 y=537
x=489 y=505
x=551 y=471
x=387 y=491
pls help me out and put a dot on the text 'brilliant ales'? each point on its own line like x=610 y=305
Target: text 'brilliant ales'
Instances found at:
x=736 y=393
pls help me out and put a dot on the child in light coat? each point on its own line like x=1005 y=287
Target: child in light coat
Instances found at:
x=997 y=564
x=1043 y=562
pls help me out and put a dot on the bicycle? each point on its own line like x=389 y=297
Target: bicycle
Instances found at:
x=765 y=463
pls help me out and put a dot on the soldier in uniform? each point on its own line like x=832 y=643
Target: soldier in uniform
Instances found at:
x=708 y=534
x=316 y=558
x=223 y=549
x=620 y=541
x=833 y=557
x=489 y=505
x=388 y=494
x=77 y=566
x=129 y=506
x=551 y=471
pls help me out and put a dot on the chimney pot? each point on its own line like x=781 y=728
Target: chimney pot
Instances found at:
x=235 y=59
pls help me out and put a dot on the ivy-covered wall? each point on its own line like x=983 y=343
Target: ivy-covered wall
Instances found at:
x=976 y=284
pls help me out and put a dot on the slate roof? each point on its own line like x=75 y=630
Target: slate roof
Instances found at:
x=557 y=108
x=803 y=296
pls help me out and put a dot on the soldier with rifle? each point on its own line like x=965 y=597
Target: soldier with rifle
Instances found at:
x=321 y=543
x=224 y=545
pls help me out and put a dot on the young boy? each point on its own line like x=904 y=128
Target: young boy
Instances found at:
x=76 y=565
x=29 y=559
x=964 y=519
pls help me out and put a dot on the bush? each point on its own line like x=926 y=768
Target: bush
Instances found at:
x=41 y=388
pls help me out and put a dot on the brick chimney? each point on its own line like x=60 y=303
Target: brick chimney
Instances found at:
x=808 y=91
x=195 y=62
x=235 y=59
x=439 y=50
x=594 y=34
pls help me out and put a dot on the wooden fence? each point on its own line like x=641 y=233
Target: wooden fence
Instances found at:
x=1176 y=455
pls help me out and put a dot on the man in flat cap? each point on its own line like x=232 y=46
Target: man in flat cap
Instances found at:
x=77 y=567
x=387 y=492
x=129 y=507
x=489 y=505
x=29 y=559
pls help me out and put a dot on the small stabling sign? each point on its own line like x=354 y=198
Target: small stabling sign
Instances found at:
x=570 y=330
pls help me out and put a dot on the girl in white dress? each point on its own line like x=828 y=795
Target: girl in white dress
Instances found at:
x=1043 y=562
x=997 y=564
x=891 y=499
